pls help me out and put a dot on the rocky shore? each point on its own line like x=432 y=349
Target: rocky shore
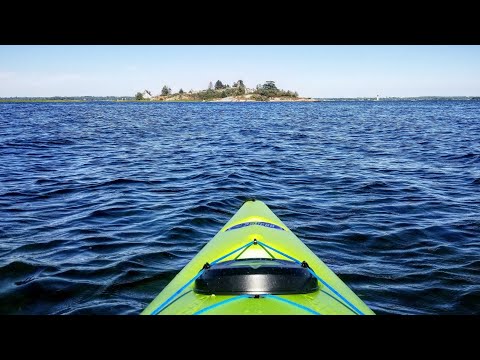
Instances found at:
x=250 y=98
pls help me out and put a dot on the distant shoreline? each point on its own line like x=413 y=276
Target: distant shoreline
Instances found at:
x=124 y=99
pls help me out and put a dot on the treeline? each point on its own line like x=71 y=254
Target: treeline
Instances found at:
x=219 y=90
x=68 y=98
x=269 y=89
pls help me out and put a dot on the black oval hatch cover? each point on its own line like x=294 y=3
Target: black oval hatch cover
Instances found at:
x=256 y=276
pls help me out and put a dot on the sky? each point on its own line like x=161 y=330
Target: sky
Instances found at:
x=311 y=70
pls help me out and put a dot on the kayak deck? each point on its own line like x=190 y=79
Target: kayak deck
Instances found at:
x=255 y=232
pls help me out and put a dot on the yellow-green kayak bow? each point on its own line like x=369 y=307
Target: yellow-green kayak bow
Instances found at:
x=256 y=265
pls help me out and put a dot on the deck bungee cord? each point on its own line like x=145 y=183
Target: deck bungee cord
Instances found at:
x=256 y=265
x=256 y=242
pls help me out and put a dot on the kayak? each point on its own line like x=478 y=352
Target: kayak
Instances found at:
x=256 y=266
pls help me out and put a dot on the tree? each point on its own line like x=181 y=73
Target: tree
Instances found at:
x=218 y=85
x=139 y=96
x=240 y=90
x=269 y=85
x=181 y=91
x=166 y=90
x=241 y=87
x=239 y=83
x=210 y=86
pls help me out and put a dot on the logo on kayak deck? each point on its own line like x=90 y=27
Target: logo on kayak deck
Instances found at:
x=261 y=223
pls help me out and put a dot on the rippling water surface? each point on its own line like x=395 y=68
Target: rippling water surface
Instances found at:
x=101 y=204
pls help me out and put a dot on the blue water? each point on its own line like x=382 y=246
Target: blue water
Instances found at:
x=101 y=204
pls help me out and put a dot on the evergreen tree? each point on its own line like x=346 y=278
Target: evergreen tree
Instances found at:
x=166 y=90
x=269 y=85
x=181 y=91
x=218 y=85
x=240 y=90
x=138 y=96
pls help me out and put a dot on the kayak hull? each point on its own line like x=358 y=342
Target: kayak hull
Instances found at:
x=256 y=232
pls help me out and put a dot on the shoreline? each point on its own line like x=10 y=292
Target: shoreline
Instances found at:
x=275 y=99
x=43 y=100
x=156 y=101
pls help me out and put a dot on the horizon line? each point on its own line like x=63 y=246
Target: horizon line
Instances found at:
x=313 y=97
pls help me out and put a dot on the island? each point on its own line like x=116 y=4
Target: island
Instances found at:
x=201 y=96
x=220 y=92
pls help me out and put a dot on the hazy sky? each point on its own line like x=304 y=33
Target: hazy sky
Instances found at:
x=315 y=71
